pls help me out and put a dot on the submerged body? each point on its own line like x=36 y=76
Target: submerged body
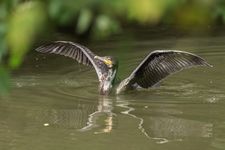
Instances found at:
x=155 y=67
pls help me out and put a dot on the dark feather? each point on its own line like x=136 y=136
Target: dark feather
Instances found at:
x=73 y=50
x=69 y=49
x=162 y=63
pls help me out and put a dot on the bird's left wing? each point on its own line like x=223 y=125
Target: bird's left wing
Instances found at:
x=73 y=50
x=161 y=63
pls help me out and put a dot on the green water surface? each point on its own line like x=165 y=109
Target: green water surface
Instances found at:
x=54 y=103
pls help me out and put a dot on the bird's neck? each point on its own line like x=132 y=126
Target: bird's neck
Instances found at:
x=111 y=76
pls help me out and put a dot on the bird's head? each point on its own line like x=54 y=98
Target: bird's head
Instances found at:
x=109 y=71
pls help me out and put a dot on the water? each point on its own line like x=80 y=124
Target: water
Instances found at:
x=54 y=103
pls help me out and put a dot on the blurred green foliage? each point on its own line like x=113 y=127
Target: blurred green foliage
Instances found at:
x=24 y=24
x=23 y=21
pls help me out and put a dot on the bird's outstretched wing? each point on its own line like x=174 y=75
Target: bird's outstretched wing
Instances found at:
x=73 y=50
x=161 y=63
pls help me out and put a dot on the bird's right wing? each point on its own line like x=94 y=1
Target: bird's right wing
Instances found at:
x=73 y=50
x=161 y=63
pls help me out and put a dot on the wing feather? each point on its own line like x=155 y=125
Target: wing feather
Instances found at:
x=73 y=50
x=161 y=63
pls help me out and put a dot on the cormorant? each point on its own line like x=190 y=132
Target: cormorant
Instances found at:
x=156 y=66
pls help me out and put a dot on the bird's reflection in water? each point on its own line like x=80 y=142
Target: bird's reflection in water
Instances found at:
x=128 y=111
x=104 y=109
x=159 y=122
x=95 y=116
x=162 y=126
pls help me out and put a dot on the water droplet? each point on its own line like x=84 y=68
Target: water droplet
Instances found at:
x=46 y=124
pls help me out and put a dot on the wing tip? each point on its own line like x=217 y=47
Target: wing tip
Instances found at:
x=44 y=48
x=40 y=49
x=207 y=64
x=204 y=62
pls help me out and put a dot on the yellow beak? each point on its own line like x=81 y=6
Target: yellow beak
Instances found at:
x=106 y=61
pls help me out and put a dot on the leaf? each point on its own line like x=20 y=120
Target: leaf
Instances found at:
x=25 y=23
x=2 y=40
x=84 y=21
x=146 y=11
x=105 y=26
x=55 y=8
